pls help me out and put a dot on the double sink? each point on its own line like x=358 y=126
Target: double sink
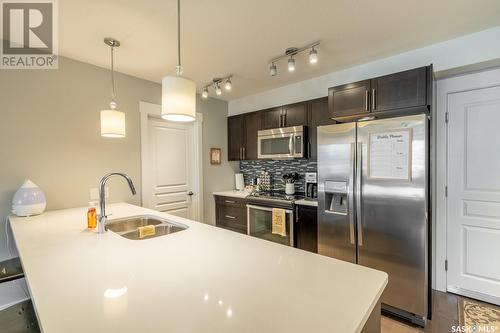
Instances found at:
x=129 y=227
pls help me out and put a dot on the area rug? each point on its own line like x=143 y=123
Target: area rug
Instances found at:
x=478 y=316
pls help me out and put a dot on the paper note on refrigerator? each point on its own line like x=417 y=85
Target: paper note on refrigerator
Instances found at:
x=389 y=154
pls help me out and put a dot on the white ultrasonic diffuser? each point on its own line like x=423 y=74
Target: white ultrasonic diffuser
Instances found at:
x=29 y=200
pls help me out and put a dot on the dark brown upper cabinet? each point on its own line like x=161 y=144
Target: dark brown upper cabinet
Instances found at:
x=294 y=115
x=242 y=136
x=234 y=138
x=285 y=116
x=272 y=118
x=390 y=95
x=252 y=124
x=318 y=116
x=349 y=99
x=401 y=90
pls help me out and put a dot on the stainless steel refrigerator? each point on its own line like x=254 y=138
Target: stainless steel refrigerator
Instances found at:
x=373 y=204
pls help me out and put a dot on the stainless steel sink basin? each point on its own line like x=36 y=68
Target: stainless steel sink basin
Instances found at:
x=131 y=223
x=128 y=227
x=160 y=230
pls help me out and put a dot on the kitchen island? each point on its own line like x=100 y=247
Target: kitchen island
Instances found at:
x=202 y=279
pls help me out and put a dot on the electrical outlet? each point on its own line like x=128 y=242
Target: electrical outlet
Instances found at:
x=94 y=193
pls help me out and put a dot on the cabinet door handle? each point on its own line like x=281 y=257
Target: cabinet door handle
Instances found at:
x=241 y=153
x=366 y=100
x=244 y=153
x=230 y=217
x=229 y=201
x=374 y=100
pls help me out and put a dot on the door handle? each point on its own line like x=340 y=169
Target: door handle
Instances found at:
x=359 y=216
x=230 y=217
x=374 y=99
x=229 y=201
x=350 y=194
x=190 y=193
x=366 y=100
x=244 y=153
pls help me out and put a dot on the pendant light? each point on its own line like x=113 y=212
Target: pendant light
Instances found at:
x=178 y=98
x=112 y=120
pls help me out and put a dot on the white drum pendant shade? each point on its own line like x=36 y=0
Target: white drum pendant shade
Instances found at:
x=178 y=99
x=112 y=123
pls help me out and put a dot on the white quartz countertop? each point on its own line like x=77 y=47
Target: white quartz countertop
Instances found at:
x=307 y=202
x=203 y=279
x=232 y=193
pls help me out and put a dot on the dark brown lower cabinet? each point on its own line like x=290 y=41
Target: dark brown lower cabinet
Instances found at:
x=231 y=213
x=306 y=228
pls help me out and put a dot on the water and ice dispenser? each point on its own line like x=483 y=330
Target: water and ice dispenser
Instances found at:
x=336 y=197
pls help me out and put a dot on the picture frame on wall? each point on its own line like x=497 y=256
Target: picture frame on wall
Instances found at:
x=215 y=156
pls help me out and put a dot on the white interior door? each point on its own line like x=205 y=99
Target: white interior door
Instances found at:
x=171 y=168
x=473 y=205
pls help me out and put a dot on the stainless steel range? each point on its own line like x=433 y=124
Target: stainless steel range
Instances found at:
x=260 y=211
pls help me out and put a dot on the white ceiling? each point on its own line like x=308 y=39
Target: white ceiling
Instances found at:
x=221 y=37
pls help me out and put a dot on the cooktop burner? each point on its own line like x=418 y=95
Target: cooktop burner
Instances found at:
x=274 y=197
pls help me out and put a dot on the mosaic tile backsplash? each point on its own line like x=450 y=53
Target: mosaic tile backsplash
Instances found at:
x=277 y=168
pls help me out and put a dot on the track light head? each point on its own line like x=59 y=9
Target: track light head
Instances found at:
x=291 y=64
x=273 y=70
x=228 y=85
x=204 y=94
x=313 y=56
x=218 y=90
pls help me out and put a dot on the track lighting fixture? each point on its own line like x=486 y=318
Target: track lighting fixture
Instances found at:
x=273 y=71
x=290 y=53
x=216 y=85
x=291 y=64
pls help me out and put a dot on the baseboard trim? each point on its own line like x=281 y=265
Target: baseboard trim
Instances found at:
x=474 y=294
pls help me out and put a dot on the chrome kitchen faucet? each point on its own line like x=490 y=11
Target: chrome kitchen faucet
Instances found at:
x=102 y=197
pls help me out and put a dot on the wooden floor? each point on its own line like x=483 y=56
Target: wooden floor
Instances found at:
x=444 y=316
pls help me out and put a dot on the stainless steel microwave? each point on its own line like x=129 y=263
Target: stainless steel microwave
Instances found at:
x=279 y=143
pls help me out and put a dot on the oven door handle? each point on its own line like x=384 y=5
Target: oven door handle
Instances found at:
x=267 y=209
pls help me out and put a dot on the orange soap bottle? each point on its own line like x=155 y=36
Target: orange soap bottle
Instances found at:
x=92 y=217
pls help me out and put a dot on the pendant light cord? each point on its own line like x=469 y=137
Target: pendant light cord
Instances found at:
x=178 y=68
x=113 y=93
x=179 y=32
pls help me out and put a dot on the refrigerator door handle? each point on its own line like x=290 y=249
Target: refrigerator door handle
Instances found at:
x=359 y=217
x=350 y=198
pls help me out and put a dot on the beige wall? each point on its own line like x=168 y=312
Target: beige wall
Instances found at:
x=215 y=177
x=49 y=132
